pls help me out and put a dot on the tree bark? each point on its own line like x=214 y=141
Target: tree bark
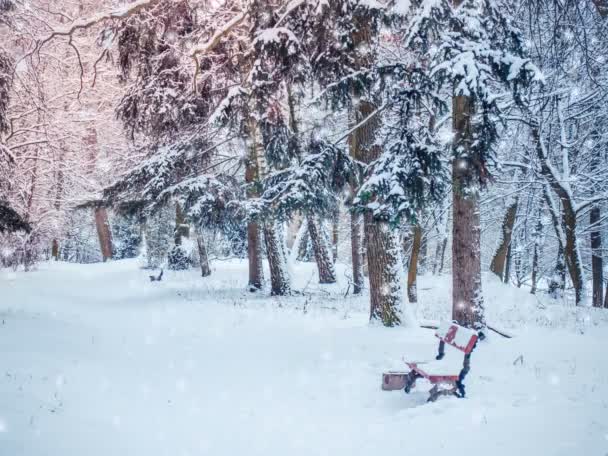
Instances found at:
x=597 y=262
x=325 y=264
x=55 y=250
x=279 y=276
x=535 y=256
x=384 y=272
x=383 y=256
x=335 y=226
x=412 y=293
x=557 y=283
x=204 y=258
x=467 y=298
x=254 y=253
x=508 y=263
x=254 y=241
x=499 y=261
x=103 y=232
x=181 y=227
x=356 y=238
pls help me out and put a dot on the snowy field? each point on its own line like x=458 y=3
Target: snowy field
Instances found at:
x=96 y=360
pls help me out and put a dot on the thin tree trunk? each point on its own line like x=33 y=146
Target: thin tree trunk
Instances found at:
x=412 y=273
x=335 y=226
x=103 y=232
x=279 y=276
x=55 y=250
x=356 y=238
x=406 y=247
x=444 y=243
x=499 y=261
x=508 y=263
x=567 y=221
x=325 y=264
x=467 y=298
x=254 y=241
x=204 y=258
x=597 y=262
x=535 y=257
x=557 y=283
x=534 y=270
x=181 y=227
x=423 y=255
x=254 y=253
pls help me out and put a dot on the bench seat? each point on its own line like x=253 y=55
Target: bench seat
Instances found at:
x=436 y=371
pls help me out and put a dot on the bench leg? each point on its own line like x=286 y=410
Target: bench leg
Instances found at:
x=410 y=381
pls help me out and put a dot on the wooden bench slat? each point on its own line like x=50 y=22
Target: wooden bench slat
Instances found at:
x=463 y=339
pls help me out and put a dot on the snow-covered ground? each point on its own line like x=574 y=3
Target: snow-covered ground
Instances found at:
x=96 y=360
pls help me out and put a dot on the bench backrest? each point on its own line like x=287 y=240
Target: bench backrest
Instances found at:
x=459 y=337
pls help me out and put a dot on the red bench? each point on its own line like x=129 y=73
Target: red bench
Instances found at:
x=446 y=375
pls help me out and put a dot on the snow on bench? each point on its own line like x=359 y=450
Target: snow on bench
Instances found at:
x=446 y=375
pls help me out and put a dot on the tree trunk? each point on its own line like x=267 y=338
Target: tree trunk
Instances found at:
x=423 y=255
x=567 y=221
x=467 y=298
x=507 y=274
x=335 y=234
x=557 y=283
x=597 y=262
x=254 y=253
x=325 y=263
x=406 y=247
x=279 y=276
x=384 y=272
x=254 y=241
x=412 y=293
x=103 y=232
x=181 y=227
x=499 y=261
x=383 y=256
x=204 y=258
x=55 y=250
x=356 y=238
x=538 y=235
